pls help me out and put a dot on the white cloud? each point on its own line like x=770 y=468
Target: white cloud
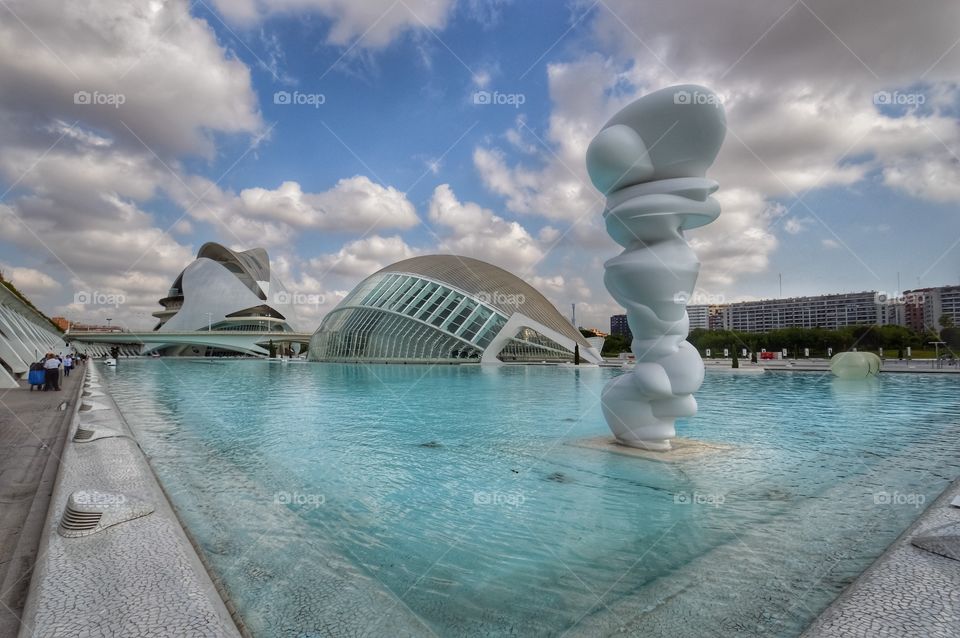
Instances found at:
x=354 y=204
x=465 y=228
x=85 y=171
x=29 y=280
x=375 y=22
x=176 y=81
x=800 y=108
x=795 y=225
x=362 y=257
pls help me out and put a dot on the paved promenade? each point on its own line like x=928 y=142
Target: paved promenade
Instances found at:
x=32 y=432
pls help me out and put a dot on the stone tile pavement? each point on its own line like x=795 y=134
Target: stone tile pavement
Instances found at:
x=32 y=432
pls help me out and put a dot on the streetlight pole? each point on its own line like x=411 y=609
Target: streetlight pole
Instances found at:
x=209 y=322
x=936 y=345
x=109 y=329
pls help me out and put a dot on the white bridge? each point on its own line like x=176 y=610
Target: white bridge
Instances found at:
x=98 y=343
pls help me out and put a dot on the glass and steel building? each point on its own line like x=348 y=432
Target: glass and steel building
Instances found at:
x=449 y=309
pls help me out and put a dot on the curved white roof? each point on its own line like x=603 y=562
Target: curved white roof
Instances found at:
x=493 y=285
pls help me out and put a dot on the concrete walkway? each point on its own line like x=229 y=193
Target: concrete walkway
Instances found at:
x=908 y=591
x=32 y=434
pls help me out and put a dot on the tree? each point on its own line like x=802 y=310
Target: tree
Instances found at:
x=614 y=345
x=946 y=321
x=951 y=336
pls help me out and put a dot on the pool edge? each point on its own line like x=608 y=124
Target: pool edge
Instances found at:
x=897 y=593
x=179 y=575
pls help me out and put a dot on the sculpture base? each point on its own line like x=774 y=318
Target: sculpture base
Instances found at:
x=681 y=449
x=654 y=446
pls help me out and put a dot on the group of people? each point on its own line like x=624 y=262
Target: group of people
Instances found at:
x=45 y=373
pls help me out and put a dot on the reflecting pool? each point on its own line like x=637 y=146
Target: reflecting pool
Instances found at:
x=416 y=500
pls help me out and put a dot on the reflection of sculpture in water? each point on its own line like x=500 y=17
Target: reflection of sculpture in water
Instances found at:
x=650 y=161
x=855 y=365
x=854 y=398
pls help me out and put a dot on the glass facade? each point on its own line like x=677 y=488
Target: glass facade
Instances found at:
x=397 y=316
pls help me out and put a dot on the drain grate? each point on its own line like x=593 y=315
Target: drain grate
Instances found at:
x=88 y=434
x=76 y=523
x=90 y=512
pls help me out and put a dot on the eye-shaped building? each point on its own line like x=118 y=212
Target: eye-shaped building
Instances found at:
x=446 y=308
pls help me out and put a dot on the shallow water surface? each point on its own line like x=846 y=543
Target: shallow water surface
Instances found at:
x=391 y=500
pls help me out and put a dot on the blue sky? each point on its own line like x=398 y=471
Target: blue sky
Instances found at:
x=822 y=178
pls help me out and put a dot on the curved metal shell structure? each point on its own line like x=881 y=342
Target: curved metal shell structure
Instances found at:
x=450 y=309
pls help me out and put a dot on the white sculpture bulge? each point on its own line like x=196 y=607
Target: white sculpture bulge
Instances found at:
x=650 y=160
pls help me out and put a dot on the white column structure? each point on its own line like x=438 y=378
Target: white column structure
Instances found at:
x=650 y=160
x=25 y=336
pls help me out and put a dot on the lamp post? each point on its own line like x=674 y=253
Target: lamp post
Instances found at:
x=209 y=321
x=936 y=345
x=109 y=329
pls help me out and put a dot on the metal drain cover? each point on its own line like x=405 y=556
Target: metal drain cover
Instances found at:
x=91 y=511
x=85 y=434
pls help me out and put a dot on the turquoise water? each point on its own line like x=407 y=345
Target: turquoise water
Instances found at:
x=448 y=501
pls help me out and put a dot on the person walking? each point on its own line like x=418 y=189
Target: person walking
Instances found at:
x=51 y=367
x=67 y=364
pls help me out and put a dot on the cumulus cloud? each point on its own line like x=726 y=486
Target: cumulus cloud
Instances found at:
x=354 y=204
x=372 y=23
x=804 y=113
x=175 y=83
x=29 y=280
x=362 y=257
x=466 y=228
x=817 y=93
x=109 y=96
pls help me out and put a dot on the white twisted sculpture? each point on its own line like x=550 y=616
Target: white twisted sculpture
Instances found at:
x=650 y=160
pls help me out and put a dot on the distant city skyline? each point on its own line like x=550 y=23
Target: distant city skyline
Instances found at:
x=918 y=309
x=345 y=137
